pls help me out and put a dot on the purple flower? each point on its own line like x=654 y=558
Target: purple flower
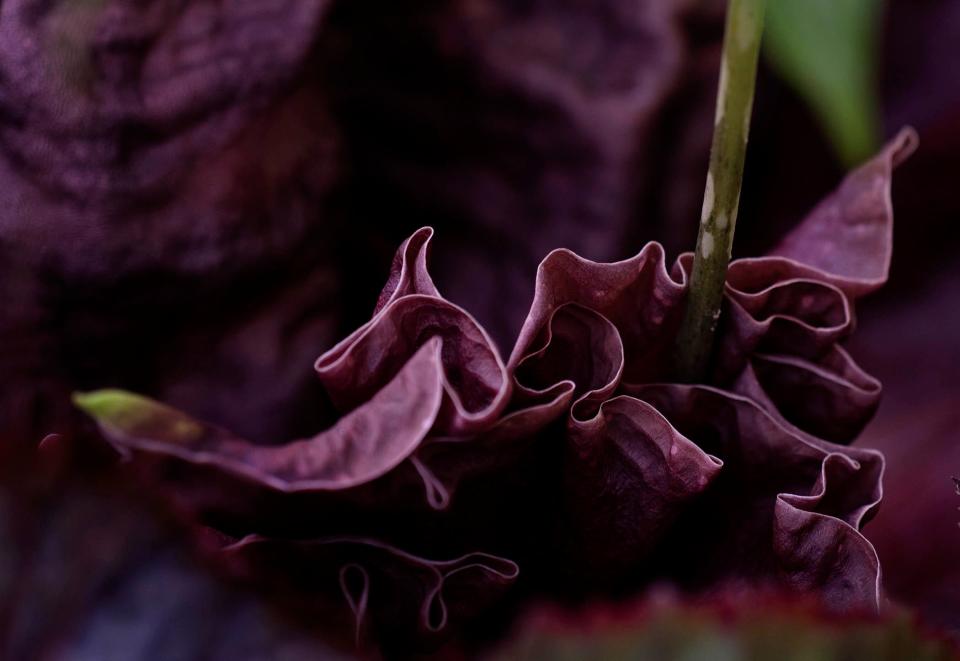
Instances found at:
x=575 y=465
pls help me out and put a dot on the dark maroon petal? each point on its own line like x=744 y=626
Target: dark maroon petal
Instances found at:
x=797 y=503
x=408 y=273
x=475 y=384
x=848 y=237
x=410 y=312
x=637 y=296
x=382 y=378
x=798 y=316
x=579 y=347
x=771 y=306
x=845 y=569
x=830 y=397
x=504 y=449
x=363 y=445
x=628 y=474
x=799 y=299
x=785 y=313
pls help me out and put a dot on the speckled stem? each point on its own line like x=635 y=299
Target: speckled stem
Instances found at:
x=738 y=71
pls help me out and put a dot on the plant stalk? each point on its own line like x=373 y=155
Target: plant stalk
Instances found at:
x=721 y=199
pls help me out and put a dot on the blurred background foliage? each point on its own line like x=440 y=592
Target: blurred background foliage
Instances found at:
x=827 y=50
x=756 y=632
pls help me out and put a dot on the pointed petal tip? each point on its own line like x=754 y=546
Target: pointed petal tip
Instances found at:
x=903 y=145
x=128 y=413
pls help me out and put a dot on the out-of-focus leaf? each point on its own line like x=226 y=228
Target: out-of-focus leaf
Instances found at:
x=827 y=49
x=735 y=631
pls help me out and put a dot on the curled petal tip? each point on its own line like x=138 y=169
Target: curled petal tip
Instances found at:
x=903 y=145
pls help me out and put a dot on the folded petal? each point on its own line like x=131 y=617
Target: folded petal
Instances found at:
x=794 y=502
x=363 y=445
x=829 y=397
x=409 y=313
x=848 y=237
x=408 y=272
x=628 y=474
x=795 y=314
x=637 y=296
x=580 y=347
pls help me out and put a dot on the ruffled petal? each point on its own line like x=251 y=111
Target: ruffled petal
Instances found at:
x=830 y=397
x=421 y=371
x=796 y=503
x=628 y=474
x=848 y=238
x=637 y=296
x=409 y=313
x=643 y=480
x=773 y=305
x=784 y=314
x=580 y=347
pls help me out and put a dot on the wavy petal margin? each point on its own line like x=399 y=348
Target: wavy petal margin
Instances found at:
x=786 y=312
x=410 y=311
x=812 y=496
x=741 y=477
x=400 y=592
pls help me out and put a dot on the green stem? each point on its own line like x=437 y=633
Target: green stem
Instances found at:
x=738 y=72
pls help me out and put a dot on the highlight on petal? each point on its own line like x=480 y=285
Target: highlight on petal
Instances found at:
x=627 y=476
x=785 y=313
x=410 y=311
x=475 y=384
x=812 y=495
x=829 y=397
x=848 y=237
x=636 y=295
x=848 y=574
x=363 y=445
x=408 y=272
x=580 y=347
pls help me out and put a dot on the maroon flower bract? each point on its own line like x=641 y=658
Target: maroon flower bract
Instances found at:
x=741 y=478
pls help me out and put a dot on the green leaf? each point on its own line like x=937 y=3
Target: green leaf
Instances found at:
x=827 y=50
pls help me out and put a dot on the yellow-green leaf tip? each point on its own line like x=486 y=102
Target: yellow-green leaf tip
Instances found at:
x=128 y=414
